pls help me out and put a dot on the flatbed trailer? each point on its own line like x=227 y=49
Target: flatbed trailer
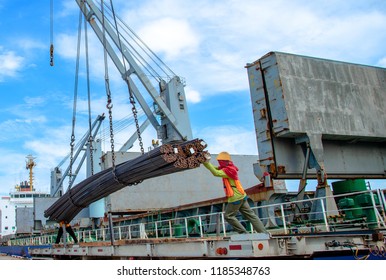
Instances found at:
x=359 y=245
x=208 y=236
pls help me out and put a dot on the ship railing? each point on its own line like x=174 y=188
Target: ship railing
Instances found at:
x=359 y=210
x=364 y=209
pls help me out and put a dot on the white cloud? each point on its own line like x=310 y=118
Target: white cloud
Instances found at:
x=30 y=44
x=171 y=36
x=12 y=170
x=34 y=101
x=10 y=64
x=382 y=62
x=66 y=45
x=233 y=139
x=241 y=32
x=192 y=96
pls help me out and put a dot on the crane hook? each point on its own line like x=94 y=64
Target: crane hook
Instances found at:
x=109 y=104
x=52 y=55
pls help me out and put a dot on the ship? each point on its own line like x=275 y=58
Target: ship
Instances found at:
x=17 y=210
x=320 y=122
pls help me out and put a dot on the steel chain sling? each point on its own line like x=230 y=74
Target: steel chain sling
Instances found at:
x=110 y=105
x=127 y=79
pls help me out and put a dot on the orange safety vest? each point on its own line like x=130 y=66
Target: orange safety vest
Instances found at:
x=228 y=188
x=63 y=223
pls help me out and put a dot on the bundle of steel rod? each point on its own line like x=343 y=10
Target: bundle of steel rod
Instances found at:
x=163 y=160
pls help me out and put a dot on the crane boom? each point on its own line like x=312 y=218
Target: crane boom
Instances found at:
x=170 y=102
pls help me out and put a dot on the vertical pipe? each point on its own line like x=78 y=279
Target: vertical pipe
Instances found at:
x=223 y=224
x=200 y=223
x=283 y=218
x=186 y=227
x=170 y=229
x=218 y=224
x=375 y=209
x=383 y=202
x=324 y=215
x=111 y=229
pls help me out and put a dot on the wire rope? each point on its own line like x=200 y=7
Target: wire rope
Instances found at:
x=127 y=78
x=90 y=140
x=72 y=141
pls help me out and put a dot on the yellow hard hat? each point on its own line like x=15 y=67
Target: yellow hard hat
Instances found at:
x=224 y=156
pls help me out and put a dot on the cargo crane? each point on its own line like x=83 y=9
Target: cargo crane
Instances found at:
x=305 y=128
x=169 y=102
x=168 y=113
x=162 y=98
x=58 y=176
x=135 y=62
x=128 y=55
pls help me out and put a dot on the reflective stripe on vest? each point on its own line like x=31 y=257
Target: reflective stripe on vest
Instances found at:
x=228 y=188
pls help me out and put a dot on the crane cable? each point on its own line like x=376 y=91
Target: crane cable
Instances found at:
x=90 y=140
x=72 y=141
x=127 y=78
x=109 y=104
x=52 y=32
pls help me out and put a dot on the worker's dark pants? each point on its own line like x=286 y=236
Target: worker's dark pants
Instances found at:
x=243 y=207
x=70 y=231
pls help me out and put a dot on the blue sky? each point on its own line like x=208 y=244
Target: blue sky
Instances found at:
x=206 y=42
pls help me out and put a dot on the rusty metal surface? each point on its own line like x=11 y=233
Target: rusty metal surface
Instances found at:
x=336 y=99
x=335 y=108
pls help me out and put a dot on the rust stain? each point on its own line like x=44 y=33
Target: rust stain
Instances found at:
x=263 y=113
x=281 y=169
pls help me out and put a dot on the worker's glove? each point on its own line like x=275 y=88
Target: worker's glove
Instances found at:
x=207 y=157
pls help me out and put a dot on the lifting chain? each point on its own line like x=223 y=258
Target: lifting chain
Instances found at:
x=72 y=143
x=127 y=78
x=109 y=106
x=90 y=140
x=135 y=114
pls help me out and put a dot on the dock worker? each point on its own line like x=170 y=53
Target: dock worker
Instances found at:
x=236 y=196
x=68 y=229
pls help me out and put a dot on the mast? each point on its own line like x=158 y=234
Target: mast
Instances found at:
x=30 y=164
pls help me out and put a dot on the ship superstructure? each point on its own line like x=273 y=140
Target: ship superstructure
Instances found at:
x=17 y=209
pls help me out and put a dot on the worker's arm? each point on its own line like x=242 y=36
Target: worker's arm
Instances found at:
x=216 y=172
